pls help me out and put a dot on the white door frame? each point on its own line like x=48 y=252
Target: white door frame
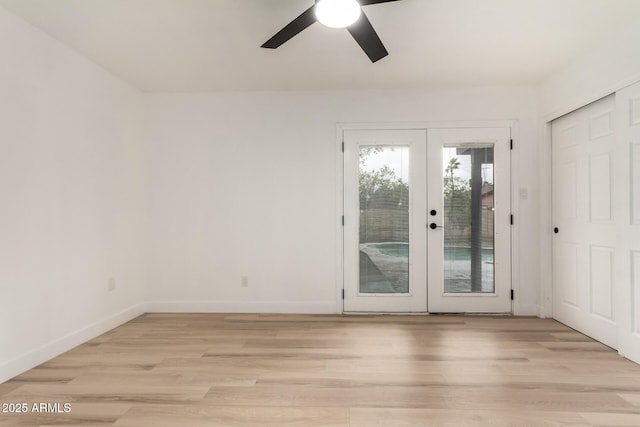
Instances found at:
x=341 y=127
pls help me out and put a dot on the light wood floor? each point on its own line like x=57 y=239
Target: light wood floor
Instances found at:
x=183 y=370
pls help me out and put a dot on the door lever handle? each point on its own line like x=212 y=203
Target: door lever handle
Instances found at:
x=433 y=226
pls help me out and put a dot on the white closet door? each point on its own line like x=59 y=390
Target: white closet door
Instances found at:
x=585 y=213
x=628 y=174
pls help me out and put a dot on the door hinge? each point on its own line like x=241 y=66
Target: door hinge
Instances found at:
x=343 y=220
x=510 y=145
x=343 y=294
x=343 y=146
x=512 y=294
x=511 y=219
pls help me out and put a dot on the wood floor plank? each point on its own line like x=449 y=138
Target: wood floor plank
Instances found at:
x=221 y=416
x=81 y=414
x=128 y=391
x=8 y=387
x=242 y=370
x=534 y=400
x=633 y=398
x=335 y=397
x=611 y=420
x=367 y=417
x=348 y=379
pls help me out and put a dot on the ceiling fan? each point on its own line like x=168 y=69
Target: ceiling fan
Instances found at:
x=337 y=14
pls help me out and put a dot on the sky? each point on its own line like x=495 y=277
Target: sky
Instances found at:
x=397 y=158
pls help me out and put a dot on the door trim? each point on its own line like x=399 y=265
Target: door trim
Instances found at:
x=341 y=127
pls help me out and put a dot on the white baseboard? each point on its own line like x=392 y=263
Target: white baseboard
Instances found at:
x=526 y=310
x=59 y=345
x=298 y=307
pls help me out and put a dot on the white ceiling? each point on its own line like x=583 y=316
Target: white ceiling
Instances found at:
x=213 y=45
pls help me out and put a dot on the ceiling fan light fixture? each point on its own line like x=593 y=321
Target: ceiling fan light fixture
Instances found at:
x=337 y=13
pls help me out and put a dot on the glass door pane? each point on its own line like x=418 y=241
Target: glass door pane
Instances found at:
x=468 y=218
x=384 y=219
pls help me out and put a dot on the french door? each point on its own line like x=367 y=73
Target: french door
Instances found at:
x=426 y=224
x=385 y=237
x=470 y=220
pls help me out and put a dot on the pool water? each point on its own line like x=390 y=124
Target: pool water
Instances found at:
x=451 y=253
x=456 y=253
x=400 y=250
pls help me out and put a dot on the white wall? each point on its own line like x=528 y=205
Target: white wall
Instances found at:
x=611 y=65
x=71 y=181
x=244 y=184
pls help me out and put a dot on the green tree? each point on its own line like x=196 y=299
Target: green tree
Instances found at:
x=384 y=202
x=457 y=199
x=381 y=188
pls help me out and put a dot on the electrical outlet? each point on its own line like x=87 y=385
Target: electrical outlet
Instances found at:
x=111 y=284
x=244 y=281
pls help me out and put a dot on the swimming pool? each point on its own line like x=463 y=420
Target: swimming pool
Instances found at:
x=451 y=253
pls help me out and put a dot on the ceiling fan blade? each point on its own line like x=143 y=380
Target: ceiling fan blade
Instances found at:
x=368 y=2
x=363 y=32
x=303 y=21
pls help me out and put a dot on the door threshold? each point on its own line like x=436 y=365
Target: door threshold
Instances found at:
x=385 y=313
